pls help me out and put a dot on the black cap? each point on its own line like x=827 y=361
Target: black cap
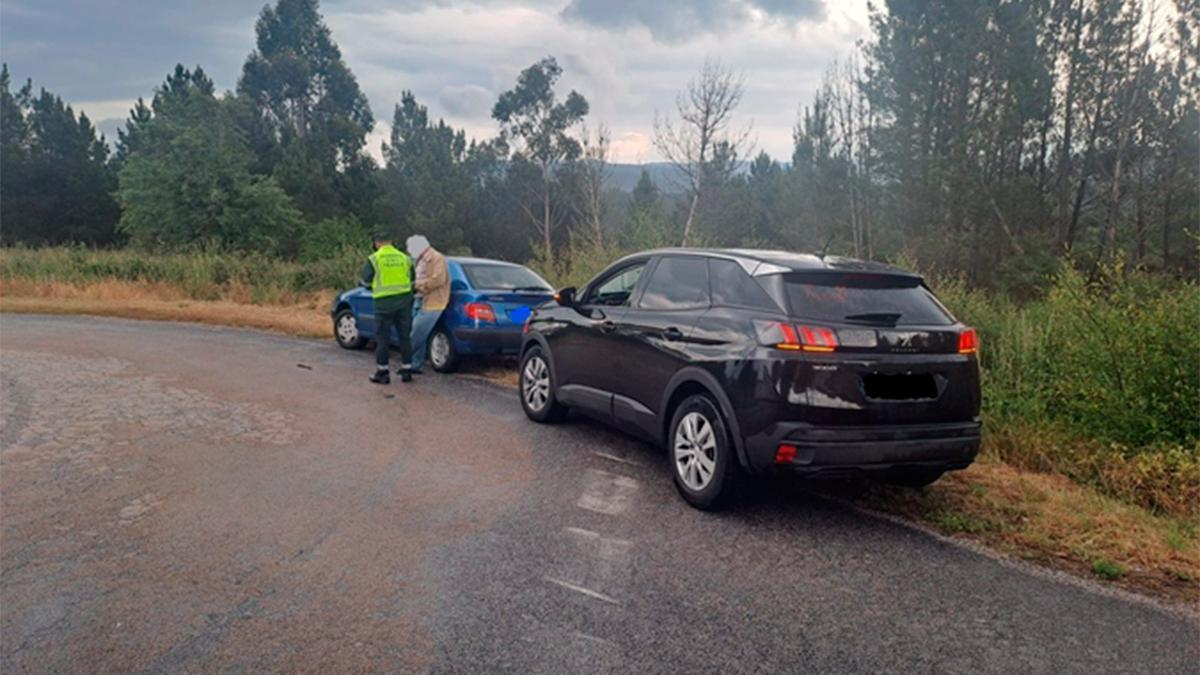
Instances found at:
x=381 y=236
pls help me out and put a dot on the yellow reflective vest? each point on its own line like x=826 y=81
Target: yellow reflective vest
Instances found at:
x=393 y=272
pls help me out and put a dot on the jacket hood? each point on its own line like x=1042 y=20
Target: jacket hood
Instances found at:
x=416 y=245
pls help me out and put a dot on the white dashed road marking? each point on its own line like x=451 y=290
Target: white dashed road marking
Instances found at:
x=614 y=458
x=586 y=591
x=607 y=493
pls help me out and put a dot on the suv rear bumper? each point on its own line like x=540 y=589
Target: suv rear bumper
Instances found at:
x=836 y=450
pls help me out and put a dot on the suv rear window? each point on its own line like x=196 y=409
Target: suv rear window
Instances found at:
x=504 y=278
x=868 y=299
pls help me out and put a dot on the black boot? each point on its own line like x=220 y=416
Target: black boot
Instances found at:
x=405 y=375
x=381 y=377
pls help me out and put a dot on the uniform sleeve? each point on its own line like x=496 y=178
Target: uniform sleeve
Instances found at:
x=367 y=274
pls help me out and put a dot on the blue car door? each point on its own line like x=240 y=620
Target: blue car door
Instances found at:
x=364 y=311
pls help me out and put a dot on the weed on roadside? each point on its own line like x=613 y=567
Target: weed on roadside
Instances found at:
x=1107 y=570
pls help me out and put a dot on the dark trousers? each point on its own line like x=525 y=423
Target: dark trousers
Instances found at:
x=401 y=320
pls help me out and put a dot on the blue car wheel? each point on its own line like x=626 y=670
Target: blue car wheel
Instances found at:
x=345 y=331
x=442 y=354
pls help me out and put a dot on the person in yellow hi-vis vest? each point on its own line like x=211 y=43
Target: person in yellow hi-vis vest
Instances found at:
x=389 y=275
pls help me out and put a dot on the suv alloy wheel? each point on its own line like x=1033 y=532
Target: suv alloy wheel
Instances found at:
x=537 y=388
x=702 y=457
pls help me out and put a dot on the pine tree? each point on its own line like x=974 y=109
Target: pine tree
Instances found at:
x=427 y=187
x=57 y=184
x=305 y=115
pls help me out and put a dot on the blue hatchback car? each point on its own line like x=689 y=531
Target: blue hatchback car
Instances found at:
x=489 y=303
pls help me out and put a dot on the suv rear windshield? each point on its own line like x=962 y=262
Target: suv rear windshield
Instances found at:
x=868 y=299
x=505 y=278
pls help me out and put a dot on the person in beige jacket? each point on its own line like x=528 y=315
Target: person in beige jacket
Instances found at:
x=433 y=294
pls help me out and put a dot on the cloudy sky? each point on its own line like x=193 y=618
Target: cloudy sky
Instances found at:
x=628 y=57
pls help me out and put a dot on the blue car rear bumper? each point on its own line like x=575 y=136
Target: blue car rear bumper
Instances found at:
x=489 y=340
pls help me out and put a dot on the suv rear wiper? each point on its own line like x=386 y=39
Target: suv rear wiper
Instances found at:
x=534 y=289
x=885 y=318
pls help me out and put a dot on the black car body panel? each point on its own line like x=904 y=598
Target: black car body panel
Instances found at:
x=892 y=394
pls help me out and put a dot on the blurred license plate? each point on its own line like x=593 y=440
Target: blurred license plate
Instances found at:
x=519 y=314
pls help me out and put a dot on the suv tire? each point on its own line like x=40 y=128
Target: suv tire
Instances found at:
x=703 y=461
x=536 y=388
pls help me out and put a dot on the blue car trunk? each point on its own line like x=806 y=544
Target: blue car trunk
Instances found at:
x=513 y=308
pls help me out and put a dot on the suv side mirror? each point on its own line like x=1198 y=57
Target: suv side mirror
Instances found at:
x=565 y=296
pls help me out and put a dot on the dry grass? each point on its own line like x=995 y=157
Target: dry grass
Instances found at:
x=1166 y=480
x=1049 y=519
x=1039 y=516
x=303 y=316
x=502 y=370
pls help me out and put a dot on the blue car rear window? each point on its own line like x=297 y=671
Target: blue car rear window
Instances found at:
x=505 y=278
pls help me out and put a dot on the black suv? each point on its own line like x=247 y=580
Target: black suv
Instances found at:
x=756 y=361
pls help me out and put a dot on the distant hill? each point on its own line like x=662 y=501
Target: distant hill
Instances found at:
x=668 y=179
x=625 y=176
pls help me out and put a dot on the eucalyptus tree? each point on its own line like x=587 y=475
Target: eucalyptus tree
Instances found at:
x=536 y=126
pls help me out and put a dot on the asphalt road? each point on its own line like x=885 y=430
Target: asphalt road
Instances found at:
x=185 y=498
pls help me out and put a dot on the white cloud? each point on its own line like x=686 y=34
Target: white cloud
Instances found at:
x=457 y=58
x=105 y=110
x=457 y=55
x=382 y=133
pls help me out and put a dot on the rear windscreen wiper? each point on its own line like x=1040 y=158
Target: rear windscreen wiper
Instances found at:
x=531 y=289
x=887 y=318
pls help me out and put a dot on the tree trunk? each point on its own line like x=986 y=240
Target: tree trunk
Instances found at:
x=1168 y=210
x=1140 y=231
x=1089 y=152
x=687 y=226
x=1062 y=180
x=546 y=223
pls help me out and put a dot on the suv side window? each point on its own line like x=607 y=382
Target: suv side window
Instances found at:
x=678 y=282
x=731 y=286
x=616 y=289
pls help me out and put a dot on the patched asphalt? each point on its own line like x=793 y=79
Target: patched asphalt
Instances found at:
x=188 y=498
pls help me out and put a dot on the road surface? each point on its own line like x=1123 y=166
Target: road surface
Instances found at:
x=186 y=498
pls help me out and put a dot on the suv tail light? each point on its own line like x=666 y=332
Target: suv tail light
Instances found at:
x=968 y=341
x=782 y=335
x=480 y=311
x=817 y=339
x=777 y=334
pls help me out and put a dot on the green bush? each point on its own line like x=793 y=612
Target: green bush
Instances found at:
x=1099 y=380
x=318 y=239
x=1115 y=358
x=203 y=274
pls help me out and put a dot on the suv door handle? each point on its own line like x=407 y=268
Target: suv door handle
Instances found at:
x=672 y=333
x=607 y=327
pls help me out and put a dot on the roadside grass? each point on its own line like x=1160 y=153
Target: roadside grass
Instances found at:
x=1039 y=492
x=1051 y=520
x=303 y=315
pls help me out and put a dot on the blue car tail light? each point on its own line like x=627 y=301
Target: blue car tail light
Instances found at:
x=480 y=311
